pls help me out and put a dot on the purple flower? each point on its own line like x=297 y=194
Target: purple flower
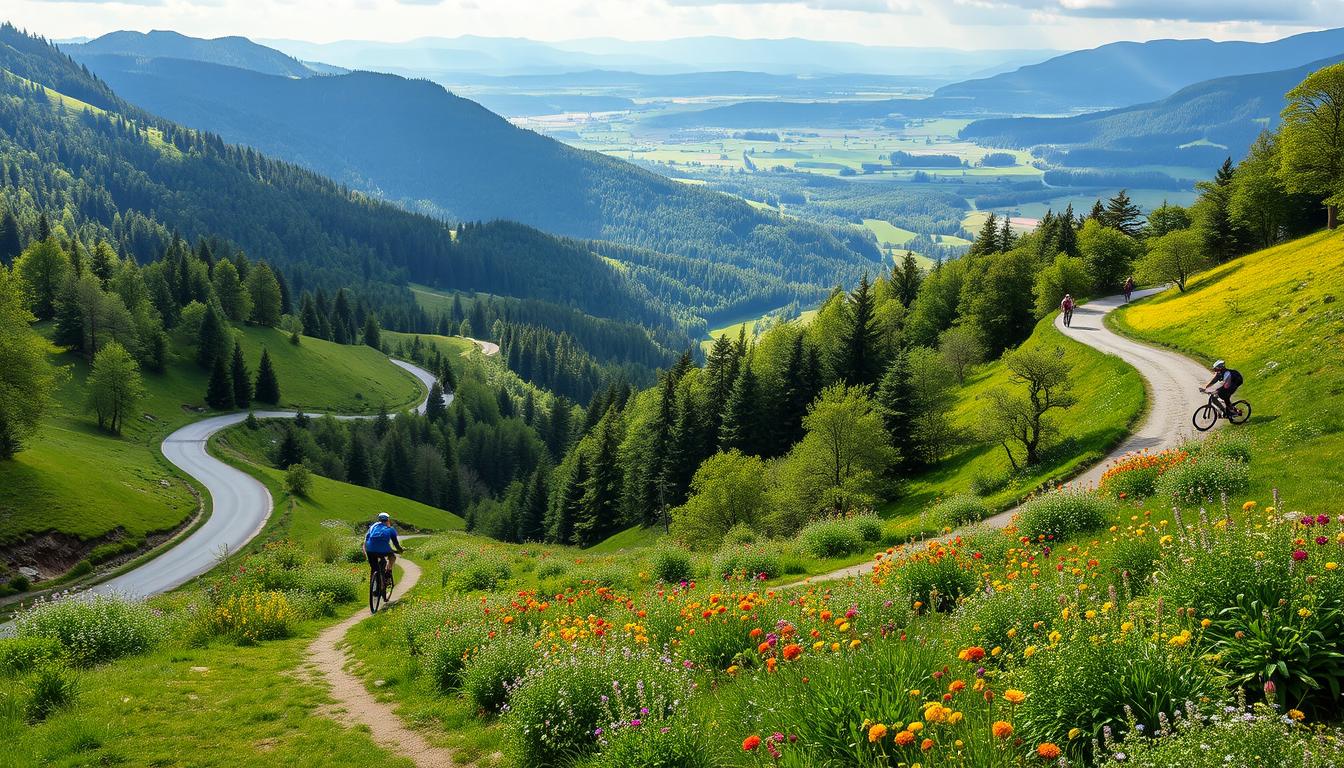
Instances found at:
x=636 y=723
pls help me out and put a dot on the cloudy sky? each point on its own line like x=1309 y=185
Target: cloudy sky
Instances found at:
x=952 y=23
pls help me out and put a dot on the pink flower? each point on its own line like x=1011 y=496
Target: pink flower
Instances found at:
x=1322 y=540
x=1299 y=554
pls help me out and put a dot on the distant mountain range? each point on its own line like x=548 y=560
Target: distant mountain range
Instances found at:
x=434 y=56
x=229 y=51
x=413 y=142
x=1197 y=126
x=1121 y=74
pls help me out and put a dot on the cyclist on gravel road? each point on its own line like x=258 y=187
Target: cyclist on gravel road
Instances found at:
x=1228 y=381
x=380 y=542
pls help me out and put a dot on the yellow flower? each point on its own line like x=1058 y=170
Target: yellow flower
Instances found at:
x=1075 y=733
x=1332 y=565
x=1303 y=612
x=915 y=727
x=1204 y=623
x=1297 y=715
x=1029 y=651
x=1126 y=626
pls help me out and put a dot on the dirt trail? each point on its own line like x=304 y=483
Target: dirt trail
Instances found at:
x=355 y=706
x=1172 y=382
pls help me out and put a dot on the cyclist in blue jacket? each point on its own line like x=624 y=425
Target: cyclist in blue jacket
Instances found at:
x=380 y=542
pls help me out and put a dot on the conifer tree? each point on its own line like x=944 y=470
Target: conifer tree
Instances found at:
x=1007 y=240
x=568 y=504
x=397 y=476
x=213 y=342
x=290 y=451
x=742 y=423
x=241 y=378
x=720 y=373
x=1098 y=212
x=860 y=340
x=557 y=439
x=446 y=376
x=435 y=410
x=219 y=392
x=372 y=336
x=602 y=495
x=357 y=468
x=987 y=240
x=267 y=299
x=535 y=499
x=1067 y=239
x=907 y=279
x=343 y=320
x=1124 y=215
x=1221 y=235
x=268 y=387
x=894 y=404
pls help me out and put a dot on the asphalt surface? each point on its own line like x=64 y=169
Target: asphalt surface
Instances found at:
x=1172 y=381
x=240 y=505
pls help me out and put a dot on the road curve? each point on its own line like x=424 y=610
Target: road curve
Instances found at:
x=240 y=505
x=1172 y=381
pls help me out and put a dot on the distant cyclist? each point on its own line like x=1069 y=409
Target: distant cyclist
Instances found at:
x=1066 y=306
x=1129 y=287
x=1228 y=381
x=380 y=542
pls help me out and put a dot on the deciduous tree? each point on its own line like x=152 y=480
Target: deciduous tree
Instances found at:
x=115 y=386
x=27 y=379
x=1312 y=139
x=1020 y=417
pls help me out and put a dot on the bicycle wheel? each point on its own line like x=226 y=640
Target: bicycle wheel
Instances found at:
x=375 y=590
x=1241 y=412
x=387 y=588
x=1205 y=417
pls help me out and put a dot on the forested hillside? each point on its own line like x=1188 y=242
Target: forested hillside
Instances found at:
x=413 y=142
x=230 y=51
x=1198 y=125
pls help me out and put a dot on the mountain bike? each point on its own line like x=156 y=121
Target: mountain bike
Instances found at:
x=380 y=584
x=1208 y=414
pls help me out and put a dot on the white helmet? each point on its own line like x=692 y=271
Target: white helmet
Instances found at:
x=1218 y=365
x=383 y=516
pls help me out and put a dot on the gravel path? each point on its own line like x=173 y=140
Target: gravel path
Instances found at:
x=1171 y=379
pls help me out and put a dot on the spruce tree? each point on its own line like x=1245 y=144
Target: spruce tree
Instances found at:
x=1221 y=235
x=357 y=468
x=241 y=378
x=343 y=320
x=1007 y=240
x=213 y=342
x=382 y=422
x=894 y=405
x=908 y=279
x=1098 y=212
x=602 y=495
x=987 y=240
x=557 y=438
x=569 y=504
x=860 y=340
x=396 y=477
x=447 y=377
x=1067 y=240
x=1124 y=215
x=720 y=373
x=268 y=387
x=373 y=337
x=290 y=451
x=219 y=392
x=10 y=243
x=435 y=410
x=452 y=489
x=532 y=510
x=742 y=422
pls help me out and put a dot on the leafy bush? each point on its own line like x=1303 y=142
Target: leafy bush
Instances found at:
x=446 y=654
x=937 y=582
x=250 y=617
x=1229 y=444
x=1060 y=514
x=93 y=630
x=20 y=584
x=563 y=706
x=1207 y=478
x=672 y=565
x=551 y=568
x=986 y=483
x=489 y=674
x=869 y=527
x=22 y=654
x=678 y=744
x=355 y=555
x=1078 y=682
x=483 y=572
x=328 y=547
x=1134 y=475
x=51 y=688
x=988 y=619
x=1258 y=735
x=830 y=538
x=749 y=562
x=739 y=535
x=298 y=480
x=1138 y=556
x=343 y=585
x=956 y=511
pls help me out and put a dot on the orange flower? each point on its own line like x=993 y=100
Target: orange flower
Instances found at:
x=972 y=654
x=905 y=739
x=756 y=632
x=877 y=733
x=751 y=742
x=763 y=648
x=1014 y=696
x=1047 y=751
x=926 y=745
x=956 y=686
x=792 y=651
x=1001 y=729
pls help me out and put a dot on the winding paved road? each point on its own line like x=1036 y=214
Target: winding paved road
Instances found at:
x=1172 y=381
x=240 y=505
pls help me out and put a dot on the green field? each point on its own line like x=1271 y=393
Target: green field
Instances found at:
x=84 y=485
x=886 y=232
x=1274 y=316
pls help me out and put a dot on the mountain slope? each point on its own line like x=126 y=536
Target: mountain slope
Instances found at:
x=1198 y=125
x=1126 y=73
x=413 y=142
x=139 y=180
x=229 y=51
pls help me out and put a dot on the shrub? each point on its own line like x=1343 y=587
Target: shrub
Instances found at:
x=93 y=630
x=956 y=511
x=936 y=581
x=342 y=585
x=328 y=547
x=22 y=654
x=298 y=480
x=550 y=569
x=1207 y=478
x=355 y=555
x=563 y=706
x=1060 y=514
x=1134 y=475
x=446 y=654
x=672 y=565
x=481 y=573
x=678 y=744
x=1258 y=735
x=1078 y=682
x=988 y=618
x=1138 y=556
x=739 y=535
x=251 y=617
x=489 y=674
x=986 y=483
x=52 y=687
x=869 y=527
x=1229 y=444
x=748 y=562
x=20 y=584
x=830 y=538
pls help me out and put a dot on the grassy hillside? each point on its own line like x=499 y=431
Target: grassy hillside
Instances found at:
x=1110 y=398
x=1275 y=316
x=86 y=486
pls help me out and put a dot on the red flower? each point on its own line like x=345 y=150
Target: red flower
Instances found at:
x=751 y=742
x=1299 y=555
